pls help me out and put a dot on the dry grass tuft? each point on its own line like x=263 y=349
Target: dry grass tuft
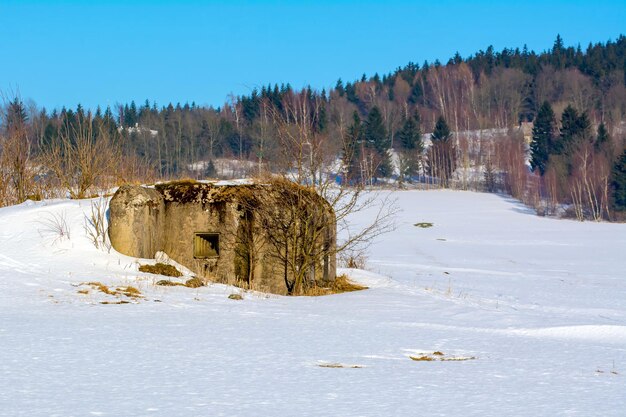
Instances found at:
x=190 y=283
x=168 y=283
x=440 y=356
x=129 y=292
x=339 y=365
x=161 y=269
x=425 y=358
x=423 y=225
x=340 y=285
x=194 y=283
x=101 y=287
x=458 y=359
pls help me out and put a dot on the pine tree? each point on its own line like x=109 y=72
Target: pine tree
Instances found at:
x=410 y=136
x=574 y=129
x=558 y=52
x=16 y=116
x=209 y=170
x=410 y=146
x=618 y=183
x=490 y=176
x=528 y=107
x=542 y=145
x=376 y=138
x=602 y=139
x=375 y=132
x=441 y=132
x=351 y=93
x=568 y=131
x=352 y=150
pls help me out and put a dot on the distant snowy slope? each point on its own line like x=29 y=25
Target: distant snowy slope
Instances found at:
x=529 y=315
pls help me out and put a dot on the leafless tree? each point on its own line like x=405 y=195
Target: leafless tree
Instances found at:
x=17 y=169
x=82 y=157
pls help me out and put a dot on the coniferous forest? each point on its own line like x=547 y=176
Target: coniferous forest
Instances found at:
x=547 y=128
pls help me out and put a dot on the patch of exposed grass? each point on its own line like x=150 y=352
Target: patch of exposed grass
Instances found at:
x=423 y=225
x=129 y=291
x=100 y=287
x=440 y=356
x=338 y=365
x=340 y=285
x=161 y=269
x=168 y=283
x=115 y=302
x=458 y=359
x=194 y=283
x=343 y=284
x=425 y=358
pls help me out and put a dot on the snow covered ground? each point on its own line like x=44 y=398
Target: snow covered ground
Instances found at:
x=536 y=306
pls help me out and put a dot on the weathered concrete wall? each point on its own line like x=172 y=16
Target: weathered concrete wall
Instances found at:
x=183 y=220
x=146 y=220
x=137 y=221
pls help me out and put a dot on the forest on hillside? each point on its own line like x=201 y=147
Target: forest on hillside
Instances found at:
x=460 y=124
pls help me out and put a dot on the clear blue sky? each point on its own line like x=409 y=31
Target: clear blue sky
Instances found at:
x=106 y=52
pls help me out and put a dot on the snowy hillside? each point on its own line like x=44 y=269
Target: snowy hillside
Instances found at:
x=521 y=316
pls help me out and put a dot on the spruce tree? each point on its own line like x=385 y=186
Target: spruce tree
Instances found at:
x=352 y=150
x=441 y=132
x=209 y=170
x=375 y=132
x=543 y=142
x=568 y=131
x=442 y=152
x=602 y=139
x=410 y=136
x=618 y=183
x=574 y=129
x=410 y=146
x=376 y=138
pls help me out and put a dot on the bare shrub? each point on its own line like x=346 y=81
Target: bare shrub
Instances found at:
x=354 y=259
x=16 y=164
x=589 y=183
x=510 y=159
x=55 y=225
x=310 y=160
x=81 y=156
x=133 y=169
x=340 y=285
x=96 y=225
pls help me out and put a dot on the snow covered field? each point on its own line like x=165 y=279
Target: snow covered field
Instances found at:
x=537 y=306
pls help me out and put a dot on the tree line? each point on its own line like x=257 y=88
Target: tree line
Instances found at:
x=374 y=125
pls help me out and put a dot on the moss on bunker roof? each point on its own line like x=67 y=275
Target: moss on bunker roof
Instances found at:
x=251 y=194
x=191 y=191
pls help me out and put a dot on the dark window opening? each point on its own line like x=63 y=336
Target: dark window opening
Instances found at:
x=206 y=245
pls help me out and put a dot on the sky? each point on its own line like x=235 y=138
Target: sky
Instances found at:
x=62 y=53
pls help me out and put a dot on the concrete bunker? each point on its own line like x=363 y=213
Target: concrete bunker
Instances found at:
x=274 y=236
x=206 y=245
